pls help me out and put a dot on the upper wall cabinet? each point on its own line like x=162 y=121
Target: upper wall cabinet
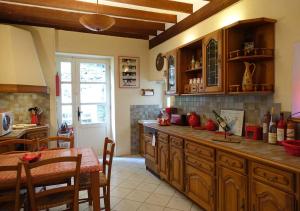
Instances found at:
x=249 y=55
x=172 y=75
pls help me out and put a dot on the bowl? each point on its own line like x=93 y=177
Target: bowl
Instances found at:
x=31 y=157
x=292 y=147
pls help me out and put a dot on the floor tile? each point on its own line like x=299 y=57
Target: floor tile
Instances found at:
x=196 y=208
x=137 y=195
x=150 y=207
x=148 y=187
x=129 y=184
x=165 y=189
x=170 y=209
x=127 y=205
x=158 y=199
x=180 y=204
x=120 y=192
x=114 y=201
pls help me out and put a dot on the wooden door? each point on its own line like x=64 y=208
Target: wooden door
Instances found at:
x=232 y=190
x=267 y=198
x=212 y=62
x=200 y=187
x=163 y=160
x=176 y=167
x=150 y=151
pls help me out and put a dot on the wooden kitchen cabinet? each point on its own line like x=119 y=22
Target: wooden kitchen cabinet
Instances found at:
x=213 y=73
x=163 y=156
x=172 y=82
x=150 y=154
x=232 y=192
x=267 y=198
x=176 y=163
x=200 y=187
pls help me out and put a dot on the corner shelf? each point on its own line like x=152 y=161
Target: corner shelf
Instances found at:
x=251 y=58
x=193 y=70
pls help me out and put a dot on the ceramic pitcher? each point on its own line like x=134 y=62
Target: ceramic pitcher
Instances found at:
x=247 y=84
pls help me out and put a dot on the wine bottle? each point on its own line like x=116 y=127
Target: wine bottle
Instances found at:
x=272 y=130
x=221 y=121
x=281 y=125
x=290 y=131
x=265 y=125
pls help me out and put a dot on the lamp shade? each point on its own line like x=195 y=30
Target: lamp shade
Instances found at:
x=97 y=22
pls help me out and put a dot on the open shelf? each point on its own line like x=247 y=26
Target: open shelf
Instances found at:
x=251 y=58
x=252 y=93
x=194 y=70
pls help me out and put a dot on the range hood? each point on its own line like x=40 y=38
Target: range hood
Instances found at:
x=20 y=68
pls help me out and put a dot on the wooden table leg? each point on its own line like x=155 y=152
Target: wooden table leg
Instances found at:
x=95 y=190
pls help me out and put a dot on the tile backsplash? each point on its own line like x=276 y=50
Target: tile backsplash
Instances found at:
x=140 y=112
x=19 y=103
x=254 y=106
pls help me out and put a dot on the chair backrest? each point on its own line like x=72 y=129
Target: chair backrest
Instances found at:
x=70 y=188
x=44 y=143
x=108 y=154
x=18 y=145
x=11 y=196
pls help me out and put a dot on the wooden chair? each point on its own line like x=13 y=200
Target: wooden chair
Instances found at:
x=44 y=143
x=17 y=145
x=105 y=175
x=56 y=196
x=10 y=190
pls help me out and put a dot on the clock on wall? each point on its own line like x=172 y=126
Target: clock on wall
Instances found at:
x=160 y=62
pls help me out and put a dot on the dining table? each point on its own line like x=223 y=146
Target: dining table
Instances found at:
x=89 y=165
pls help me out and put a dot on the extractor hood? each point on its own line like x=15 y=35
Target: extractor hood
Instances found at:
x=20 y=68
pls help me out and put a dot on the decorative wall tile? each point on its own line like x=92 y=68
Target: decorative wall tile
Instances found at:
x=19 y=103
x=140 y=112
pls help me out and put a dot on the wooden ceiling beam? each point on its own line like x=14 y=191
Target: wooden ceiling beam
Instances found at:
x=160 y=4
x=212 y=8
x=63 y=20
x=104 y=9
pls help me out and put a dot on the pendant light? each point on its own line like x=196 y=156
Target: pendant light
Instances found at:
x=97 y=22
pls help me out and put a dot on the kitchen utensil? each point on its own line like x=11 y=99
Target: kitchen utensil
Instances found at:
x=247 y=84
x=292 y=147
x=210 y=125
x=193 y=119
x=253 y=132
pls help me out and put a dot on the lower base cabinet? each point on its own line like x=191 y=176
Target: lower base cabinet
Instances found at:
x=176 y=167
x=267 y=198
x=232 y=192
x=200 y=187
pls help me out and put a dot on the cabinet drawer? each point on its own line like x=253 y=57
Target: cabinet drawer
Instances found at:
x=200 y=150
x=200 y=164
x=231 y=161
x=176 y=142
x=162 y=137
x=147 y=137
x=281 y=179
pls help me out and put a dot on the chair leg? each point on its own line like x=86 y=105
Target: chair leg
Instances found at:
x=106 y=194
x=90 y=197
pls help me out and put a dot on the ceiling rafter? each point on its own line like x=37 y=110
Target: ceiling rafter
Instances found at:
x=104 y=9
x=160 y=4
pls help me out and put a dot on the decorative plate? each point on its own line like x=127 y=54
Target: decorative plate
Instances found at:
x=159 y=62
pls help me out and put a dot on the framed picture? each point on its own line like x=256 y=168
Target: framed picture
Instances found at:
x=235 y=121
x=129 y=72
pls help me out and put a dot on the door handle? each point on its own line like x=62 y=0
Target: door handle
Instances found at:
x=78 y=113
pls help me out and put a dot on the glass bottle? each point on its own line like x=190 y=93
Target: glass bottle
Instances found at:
x=221 y=121
x=281 y=125
x=290 y=131
x=265 y=126
x=272 y=137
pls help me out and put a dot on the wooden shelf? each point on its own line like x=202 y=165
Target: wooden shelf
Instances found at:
x=193 y=70
x=13 y=88
x=251 y=58
x=252 y=93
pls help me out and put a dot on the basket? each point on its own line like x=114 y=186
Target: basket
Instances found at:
x=292 y=147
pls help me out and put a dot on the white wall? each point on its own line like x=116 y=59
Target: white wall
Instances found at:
x=287 y=34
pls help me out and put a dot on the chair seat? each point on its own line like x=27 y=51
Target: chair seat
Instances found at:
x=54 y=200
x=85 y=181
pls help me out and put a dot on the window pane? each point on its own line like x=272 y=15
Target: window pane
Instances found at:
x=66 y=111
x=92 y=93
x=65 y=71
x=92 y=114
x=66 y=93
x=91 y=72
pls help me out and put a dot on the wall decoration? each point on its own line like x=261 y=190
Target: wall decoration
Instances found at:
x=129 y=72
x=235 y=120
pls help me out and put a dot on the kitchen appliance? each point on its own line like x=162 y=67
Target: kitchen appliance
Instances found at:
x=6 y=122
x=193 y=119
x=253 y=132
x=179 y=119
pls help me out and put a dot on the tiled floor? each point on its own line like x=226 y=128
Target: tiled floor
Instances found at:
x=134 y=188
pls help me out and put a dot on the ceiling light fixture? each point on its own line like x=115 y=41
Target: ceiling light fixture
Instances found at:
x=97 y=22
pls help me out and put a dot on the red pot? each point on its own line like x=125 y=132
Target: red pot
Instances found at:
x=194 y=119
x=210 y=125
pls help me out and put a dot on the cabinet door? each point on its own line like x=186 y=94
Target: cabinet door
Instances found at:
x=172 y=76
x=200 y=187
x=267 y=198
x=150 y=151
x=163 y=160
x=176 y=167
x=232 y=190
x=213 y=67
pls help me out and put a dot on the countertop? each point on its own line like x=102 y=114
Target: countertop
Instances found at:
x=250 y=149
x=18 y=133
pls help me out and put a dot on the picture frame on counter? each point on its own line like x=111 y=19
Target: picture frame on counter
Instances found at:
x=129 y=72
x=235 y=121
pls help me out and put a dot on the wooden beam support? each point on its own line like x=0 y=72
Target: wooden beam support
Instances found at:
x=104 y=9
x=203 y=13
x=18 y=14
x=160 y=4
x=14 y=88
